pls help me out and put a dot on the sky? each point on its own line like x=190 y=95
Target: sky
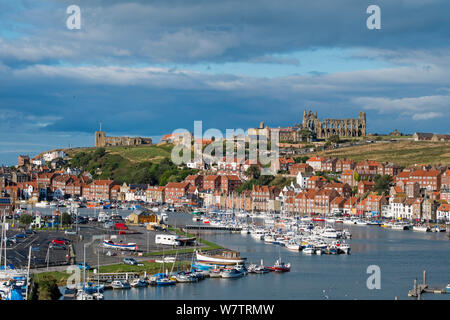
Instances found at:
x=145 y=68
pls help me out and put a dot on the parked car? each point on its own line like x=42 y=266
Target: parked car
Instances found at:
x=57 y=246
x=20 y=236
x=130 y=261
x=29 y=231
x=82 y=266
x=108 y=225
x=111 y=254
x=61 y=241
x=70 y=232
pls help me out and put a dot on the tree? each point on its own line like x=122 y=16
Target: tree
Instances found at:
x=334 y=139
x=356 y=176
x=382 y=183
x=46 y=289
x=26 y=219
x=66 y=219
x=253 y=172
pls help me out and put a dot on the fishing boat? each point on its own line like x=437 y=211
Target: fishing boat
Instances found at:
x=119 y=245
x=280 y=266
x=227 y=257
x=253 y=268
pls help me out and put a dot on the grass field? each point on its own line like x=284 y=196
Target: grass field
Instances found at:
x=134 y=154
x=403 y=153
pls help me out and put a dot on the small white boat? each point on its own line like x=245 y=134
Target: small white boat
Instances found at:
x=231 y=273
x=309 y=250
x=137 y=283
x=293 y=246
x=421 y=228
x=120 y=284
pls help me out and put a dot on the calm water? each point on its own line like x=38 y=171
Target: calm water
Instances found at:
x=401 y=255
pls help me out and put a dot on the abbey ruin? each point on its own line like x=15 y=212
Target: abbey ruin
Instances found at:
x=101 y=140
x=330 y=127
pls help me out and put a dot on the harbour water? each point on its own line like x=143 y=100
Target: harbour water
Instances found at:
x=401 y=256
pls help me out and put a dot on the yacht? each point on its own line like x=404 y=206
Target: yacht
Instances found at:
x=399 y=226
x=257 y=234
x=309 y=249
x=293 y=246
x=329 y=233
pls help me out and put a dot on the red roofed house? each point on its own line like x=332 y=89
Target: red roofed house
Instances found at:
x=365 y=186
x=430 y=179
x=316 y=163
x=300 y=167
x=229 y=183
x=211 y=183
x=156 y=194
x=174 y=191
x=348 y=176
x=315 y=182
x=445 y=183
x=443 y=212
x=323 y=199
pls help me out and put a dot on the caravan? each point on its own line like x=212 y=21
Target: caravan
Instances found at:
x=168 y=239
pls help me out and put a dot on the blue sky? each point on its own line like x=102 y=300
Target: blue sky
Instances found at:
x=149 y=67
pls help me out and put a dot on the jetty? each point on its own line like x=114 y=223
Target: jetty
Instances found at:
x=420 y=289
x=209 y=227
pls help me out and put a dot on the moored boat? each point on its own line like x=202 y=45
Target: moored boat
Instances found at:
x=226 y=258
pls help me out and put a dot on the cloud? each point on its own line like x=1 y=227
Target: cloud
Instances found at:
x=203 y=31
x=426 y=115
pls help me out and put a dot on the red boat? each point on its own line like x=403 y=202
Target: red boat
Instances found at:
x=280 y=266
x=318 y=219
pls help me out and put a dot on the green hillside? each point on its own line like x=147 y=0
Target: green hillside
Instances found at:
x=404 y=153
x=133 y=164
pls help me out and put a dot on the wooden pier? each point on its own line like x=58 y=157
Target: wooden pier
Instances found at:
x=209 y=227
x=420 y=289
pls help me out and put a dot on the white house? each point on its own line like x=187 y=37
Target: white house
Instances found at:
x=302 y=178
x=38 y=162
x=443 y=212
x=52 y=155
x=400 y=208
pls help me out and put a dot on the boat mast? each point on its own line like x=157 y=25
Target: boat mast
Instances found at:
x=28 y=272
